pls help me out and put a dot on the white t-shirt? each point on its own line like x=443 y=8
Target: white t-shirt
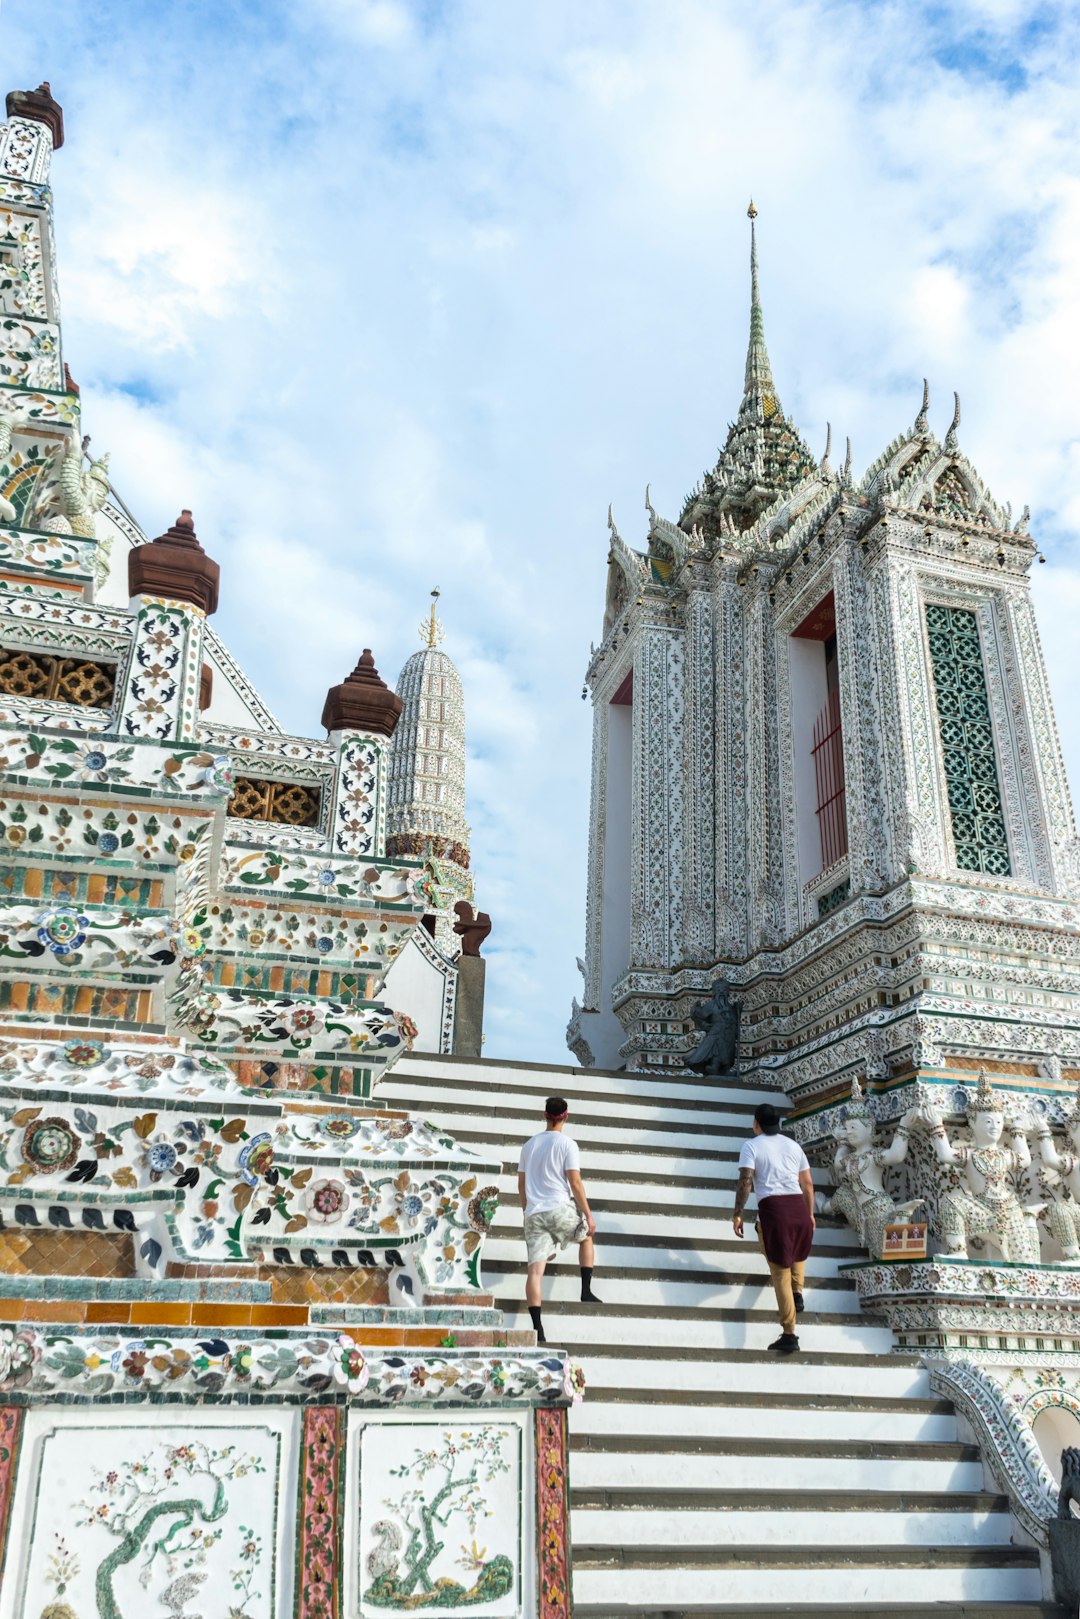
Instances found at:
x=776 y=1162
x=545 y=1162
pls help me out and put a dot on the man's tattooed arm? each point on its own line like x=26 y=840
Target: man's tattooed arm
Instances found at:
x=742 y=1193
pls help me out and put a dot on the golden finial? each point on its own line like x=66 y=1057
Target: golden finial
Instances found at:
x=751 y=212
x=431 y=631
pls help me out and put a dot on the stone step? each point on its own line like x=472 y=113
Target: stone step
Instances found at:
x=785 y=1553
x=648 y=1187
x=504 y=1134
x=659 y=1418
x=943 y=1576
x=673 y=1356
x=466 y=1075
x=639 y=1462
x=623 y=1255
x=702 y=1398
x=733 y=1375
x=963 y=1609
x=660 y=1327
x=661 y=1116
x=815 y=1450
x=561 y=1285
x=638 y=1225
x=819 y=1288
x=619 y=1164
x=729 y=1526
x=710 y=1505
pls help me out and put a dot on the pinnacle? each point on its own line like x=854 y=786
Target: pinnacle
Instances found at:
x=764 y=456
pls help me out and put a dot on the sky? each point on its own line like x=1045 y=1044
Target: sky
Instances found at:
x=402 y=293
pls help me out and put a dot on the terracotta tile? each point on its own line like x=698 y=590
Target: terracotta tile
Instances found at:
x=220 y=1315
x=12 y=1309
x=33 y=883
x=149 y=1314
x=108 y=1312
x=384 y=1337
x=424 y=1337
x=279 y=1315
x=55 y=1310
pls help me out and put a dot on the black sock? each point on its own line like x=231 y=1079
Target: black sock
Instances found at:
x=586 y=1284
x=534 y=1311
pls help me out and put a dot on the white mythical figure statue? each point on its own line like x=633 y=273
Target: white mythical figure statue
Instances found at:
x=82 y=494
x=986 y=1205
x=858 y=1169
x=1063 y=1212
x=8 y=514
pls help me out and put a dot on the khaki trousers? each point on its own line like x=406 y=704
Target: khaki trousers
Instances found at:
x=786 y=1280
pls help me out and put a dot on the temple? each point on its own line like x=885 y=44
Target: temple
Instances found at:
x=263 y=1345
x=227 y=1267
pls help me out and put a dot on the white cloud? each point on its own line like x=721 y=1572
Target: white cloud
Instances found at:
x=401 y=295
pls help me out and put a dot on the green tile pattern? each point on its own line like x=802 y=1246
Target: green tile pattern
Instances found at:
x=967 y=741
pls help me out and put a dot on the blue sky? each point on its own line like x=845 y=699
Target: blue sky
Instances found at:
x=400 y=294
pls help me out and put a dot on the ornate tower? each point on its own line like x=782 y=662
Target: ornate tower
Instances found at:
x=825 y=767
x=426 y=795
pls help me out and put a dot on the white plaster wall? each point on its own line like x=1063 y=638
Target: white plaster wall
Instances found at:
x=415 y=986
x=1055 y=1430
x=809 y=693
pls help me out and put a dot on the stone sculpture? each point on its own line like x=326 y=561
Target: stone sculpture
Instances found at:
x=858 y=1168
x=1070 y=1482
x=82 y=494
x=719 y=1047
x=8 y=514
x=986 y=1205
x=1063 y=1210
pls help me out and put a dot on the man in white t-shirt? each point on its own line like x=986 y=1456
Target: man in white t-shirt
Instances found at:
x=556 y=1208
x=775 y=1168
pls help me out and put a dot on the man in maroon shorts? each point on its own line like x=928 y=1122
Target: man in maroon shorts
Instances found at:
x=775 y=1168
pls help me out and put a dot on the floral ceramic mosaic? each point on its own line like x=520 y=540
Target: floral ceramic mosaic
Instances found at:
x=122 y=1514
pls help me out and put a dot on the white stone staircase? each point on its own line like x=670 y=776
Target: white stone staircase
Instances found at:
x=707 y=1476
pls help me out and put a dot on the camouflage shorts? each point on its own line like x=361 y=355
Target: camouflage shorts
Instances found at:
x=548 y=1230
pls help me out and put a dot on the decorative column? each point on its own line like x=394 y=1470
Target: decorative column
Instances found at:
x=360 y=715
x=173 y=586
x=29 y=331
x=699 y=942
x=658 y=796
x=11 y=1426
x=731 y=770
x=553 y=1513
x=1035 y=709
x=319 y=1573
x=926 y=813
x=861 y=720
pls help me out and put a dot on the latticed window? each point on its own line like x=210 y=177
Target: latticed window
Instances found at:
x=967 y=741
x=289 y=803
x=60 y=680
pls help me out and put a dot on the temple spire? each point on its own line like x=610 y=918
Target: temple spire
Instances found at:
x=764 y=456
x=760 y=390
x=431 y=630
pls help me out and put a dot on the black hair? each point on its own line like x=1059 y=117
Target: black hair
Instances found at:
x=767 y=1117
x=556 y=1106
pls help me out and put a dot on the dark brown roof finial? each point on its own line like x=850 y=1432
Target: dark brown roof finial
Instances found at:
x=363 y=701
x=41 y=106
x=175 y=566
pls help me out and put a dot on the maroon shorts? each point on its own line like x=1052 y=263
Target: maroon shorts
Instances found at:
x=786 y=1232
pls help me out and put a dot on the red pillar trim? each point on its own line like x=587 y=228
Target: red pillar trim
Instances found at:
x=553 y=1513
x=11 y=1427
x=319 y=1573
